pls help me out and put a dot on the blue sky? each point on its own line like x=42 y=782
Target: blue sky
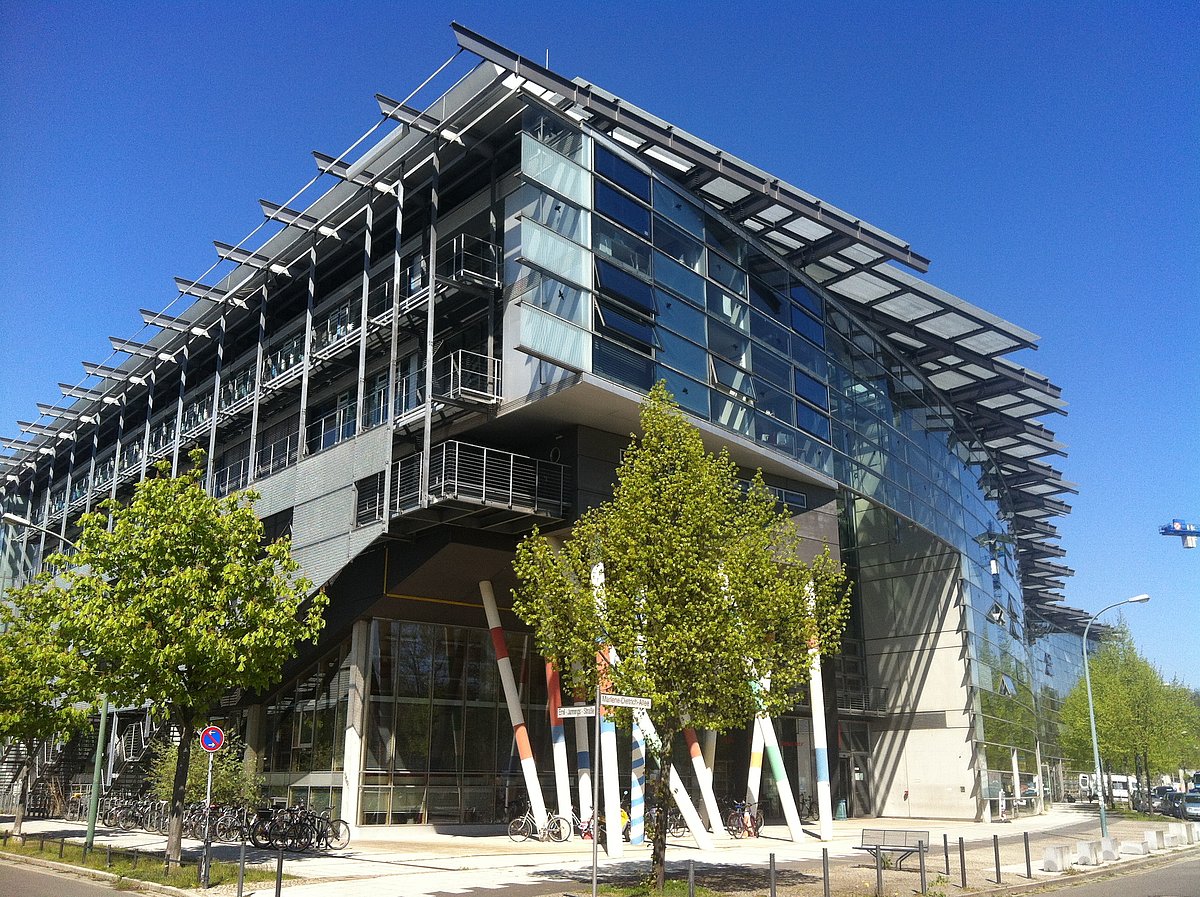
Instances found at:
x=1046 y=157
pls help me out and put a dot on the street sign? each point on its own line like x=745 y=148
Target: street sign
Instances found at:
x=624 y=701
x=212 y=739
x=579 y=710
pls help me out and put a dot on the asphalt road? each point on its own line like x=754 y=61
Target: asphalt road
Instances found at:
x=1181 y=879
x=29 y=881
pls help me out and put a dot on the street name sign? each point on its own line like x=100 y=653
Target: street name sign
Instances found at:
x=624 y=701
x=578 y=710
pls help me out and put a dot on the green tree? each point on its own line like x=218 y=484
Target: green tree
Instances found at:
x=172 y=600
x=35 y=707
x=232 y=782
x=704 y=591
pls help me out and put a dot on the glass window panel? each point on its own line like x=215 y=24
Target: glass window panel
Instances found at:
x=669 y=203
x=554 y=339
x=680 y=317
x=767 y=331
x=691 y=395
x=412 y=736
x=621 y=246
x=771 y=367
x=813 y=390
x=809 y=356
x=731 y=414
x=559 y=174
x=733 y=378
x=631 y=291
x=675 y=276
x=480 y=739
x=446 y=738
x=560 y=299
x=806 y=325
x=674 y=243
x=767 y=300
x=726 y=273
x=775 y=402
x=683 y=355
x=380 y=715
x=808 y=418
x=622 y=173
x=614 y=324
x=550 y=211
x=552 y=253
x=774 y=434
x=622 y=365
x=808 y=299
x=721 y=236
x=729 y=344
x=557 y=134
x=729 y=309
x=622 y=209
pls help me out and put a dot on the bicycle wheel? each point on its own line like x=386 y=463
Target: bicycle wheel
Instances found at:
x=733 y=823
x=260 y=833
x=520 y=828
x=676 y=826
x=758 y=822
x=558 y=828
x=339 y=834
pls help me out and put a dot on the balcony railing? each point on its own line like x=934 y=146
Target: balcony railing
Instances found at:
x=276 y=456
x=470 y=259
x=326 y=432
x=872 y=699
x=468 y=376
x=231 y=478
x=473 y=474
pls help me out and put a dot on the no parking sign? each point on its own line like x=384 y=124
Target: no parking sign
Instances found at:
x=212 y=739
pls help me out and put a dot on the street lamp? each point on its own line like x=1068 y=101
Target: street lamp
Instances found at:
x=98 y=764
x=1087 y=676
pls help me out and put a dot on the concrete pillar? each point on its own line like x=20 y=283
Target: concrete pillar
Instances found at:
x=256 y=739
x=356 y=722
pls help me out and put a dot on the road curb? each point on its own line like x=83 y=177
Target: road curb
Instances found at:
x=125 y=883
x=1065 y=879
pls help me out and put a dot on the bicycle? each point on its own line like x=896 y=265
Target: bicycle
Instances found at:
x=557 y=828
x=744 y=819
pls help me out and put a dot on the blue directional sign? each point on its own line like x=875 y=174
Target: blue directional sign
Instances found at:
x=211 y=739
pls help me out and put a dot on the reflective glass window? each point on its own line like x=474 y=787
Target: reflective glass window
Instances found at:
x=683 y=355
x=809 y=356
x=559 y=174
x=773 y=433
x=681 y=317
x=669 y=203
x=733 y=378
x=726 y=273
x=808 y=418
x=620 y=245
x=671 y=241
x=813 y=390
x=621 y=173
x=558 y=297
x=690 y=394
x=774 y=402
x=554 y=254
x=767 y=300
x=674 y=276
x=622 y=209
x=623 y=286
x=556 y=134
x=720 y=236
x=615 y=324
x=731 y=414
x=767 y=331
x=771 y=367
x=808 y=299
x=546 y=336
x=806 y=325
x=729 y=344
x=729 y=309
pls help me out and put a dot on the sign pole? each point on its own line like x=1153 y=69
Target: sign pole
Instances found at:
x=596 y=796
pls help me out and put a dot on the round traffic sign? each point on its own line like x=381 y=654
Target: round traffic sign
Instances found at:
x=212 y=738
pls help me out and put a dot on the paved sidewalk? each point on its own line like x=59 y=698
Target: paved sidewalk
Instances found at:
x=425 y=862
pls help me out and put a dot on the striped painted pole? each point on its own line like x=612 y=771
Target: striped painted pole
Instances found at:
x=787 y=799
x=710 y=760
x=708 y=800
x=583 y=764
x=637 y=787
x=610 y=781
x=515 y=714
x=816 y=700
x=683 y=800
x=754 y=774
x=558 y=741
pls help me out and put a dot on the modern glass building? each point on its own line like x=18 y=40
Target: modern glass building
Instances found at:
x=447 y=345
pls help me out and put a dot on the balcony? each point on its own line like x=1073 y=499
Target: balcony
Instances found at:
x=466 y=377
x=484 y=487
x=468 y=260
x=872 y=699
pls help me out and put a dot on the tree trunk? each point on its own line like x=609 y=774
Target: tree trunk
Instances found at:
x=662 y=800
x=179 y=793
x=23 y=794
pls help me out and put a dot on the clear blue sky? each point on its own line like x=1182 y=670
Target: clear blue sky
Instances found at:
x=1045 y=156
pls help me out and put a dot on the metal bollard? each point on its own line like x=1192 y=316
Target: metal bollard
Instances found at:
x=241 y=868
x=772 y=875
x=921 y=845
x=946 y=849
x=1028 y=861
x=996 y=848
x=62 y=845
x=279 y=874
x=135 y=857
x=878 y=873
x=962 y=861
x=691 y=879
x=825 y=870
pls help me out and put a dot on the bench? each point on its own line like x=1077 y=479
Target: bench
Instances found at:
x=905 y=842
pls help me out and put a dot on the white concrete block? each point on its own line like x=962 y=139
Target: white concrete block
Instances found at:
x=1182 y=832
x=1110 y=849
x=1154 y=839
x=1136 y=848
x=1087 y=853
x=1056 y=859
x=1170 y=840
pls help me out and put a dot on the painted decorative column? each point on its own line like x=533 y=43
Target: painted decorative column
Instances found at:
x=356 y=721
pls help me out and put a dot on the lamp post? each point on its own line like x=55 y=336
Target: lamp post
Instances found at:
x=98 y=763
x=1087 y=676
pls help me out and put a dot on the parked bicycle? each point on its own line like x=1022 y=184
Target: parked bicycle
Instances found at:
x=744 y=820
x=557 y=828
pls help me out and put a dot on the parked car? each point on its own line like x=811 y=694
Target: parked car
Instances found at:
x=1157 y=796
x=1189 y=806
x=1171 y=803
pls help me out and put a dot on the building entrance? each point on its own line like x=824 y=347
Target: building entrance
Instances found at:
x=854 y=783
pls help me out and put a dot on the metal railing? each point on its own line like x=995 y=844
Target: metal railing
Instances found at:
x=475 y=474
x=470 y=259
x=283 y=358
x=275 y=457
x=326 y=432
x=468 y=375
x=231 y=478
x=873 y=698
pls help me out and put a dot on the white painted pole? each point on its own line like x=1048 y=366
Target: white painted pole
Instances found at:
x=515 y=714
x=816 y=700
x=682 y=799
x=637 y=787
x=610 y=782
x=782 y=784
x=710 y=813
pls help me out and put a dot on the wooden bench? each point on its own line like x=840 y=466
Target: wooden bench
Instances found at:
x=905 y=842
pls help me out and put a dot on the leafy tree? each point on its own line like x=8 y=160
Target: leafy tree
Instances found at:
x=172 y=600
x=232 y=782
x=704 y=591
x=34 y=704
